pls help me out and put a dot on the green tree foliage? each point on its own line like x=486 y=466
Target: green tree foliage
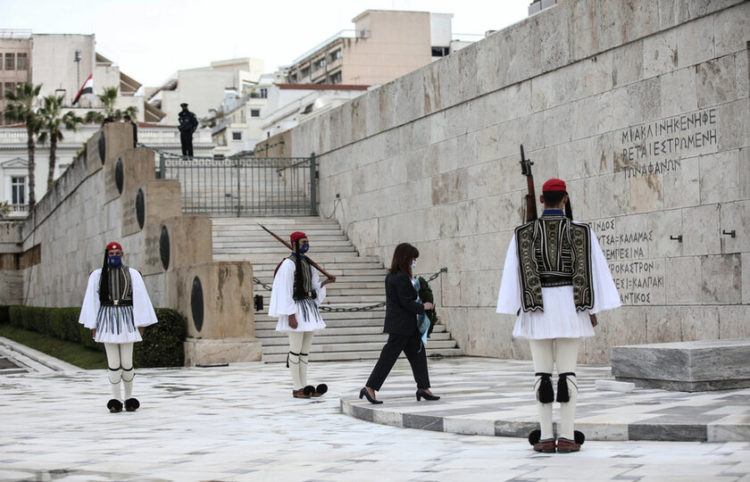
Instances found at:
x=21 y=108
x=108 y=99
x=53 y=122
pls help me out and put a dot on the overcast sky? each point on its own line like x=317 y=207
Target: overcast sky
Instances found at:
x=151 y=39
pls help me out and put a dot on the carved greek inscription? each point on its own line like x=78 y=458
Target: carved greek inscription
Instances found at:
x=658 y=147
x=639 y=280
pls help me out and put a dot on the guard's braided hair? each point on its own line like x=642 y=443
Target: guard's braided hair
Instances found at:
x=104 y=281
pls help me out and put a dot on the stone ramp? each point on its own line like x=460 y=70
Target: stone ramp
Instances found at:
x=483 y=396
x=351 y=334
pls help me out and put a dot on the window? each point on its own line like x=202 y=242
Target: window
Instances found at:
x=319 y=64
x=236 y=136
x=263 y=93
x=293 y=79
x=336 y=77
x=10 y=61
x=23 y=61
x=440 y=51
x=335 y=55
x=305 y=72
x=17 y=188
x=254 y=112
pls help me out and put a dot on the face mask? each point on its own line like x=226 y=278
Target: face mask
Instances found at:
x=303 y=249
x=414 y=265
x=114 y=261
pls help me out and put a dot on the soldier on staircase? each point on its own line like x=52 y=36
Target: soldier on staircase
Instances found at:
x=296 y=295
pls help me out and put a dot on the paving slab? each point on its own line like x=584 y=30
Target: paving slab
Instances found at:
x=240 y=422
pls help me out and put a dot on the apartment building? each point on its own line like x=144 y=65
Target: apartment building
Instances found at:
x=203 y=88
x=61 y=63
x=384 y=45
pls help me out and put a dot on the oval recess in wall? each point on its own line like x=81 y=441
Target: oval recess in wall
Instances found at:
x=164 y=247
x=119 y=175
x=140 y=208
x=102 y=147
x=196 y=303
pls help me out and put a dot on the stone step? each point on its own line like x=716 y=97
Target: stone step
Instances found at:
x=350 y=335
x=378 y=313
x=344 y=347
x=358 y=355
x=331 y=335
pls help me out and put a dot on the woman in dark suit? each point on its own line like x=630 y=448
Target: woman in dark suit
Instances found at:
x=401 y=310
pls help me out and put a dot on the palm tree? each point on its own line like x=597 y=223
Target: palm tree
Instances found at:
x=52 y=128
x=20 y=108
x=108 y=98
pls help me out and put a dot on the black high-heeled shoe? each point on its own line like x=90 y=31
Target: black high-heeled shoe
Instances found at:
x=366 y=394
x=427 y=396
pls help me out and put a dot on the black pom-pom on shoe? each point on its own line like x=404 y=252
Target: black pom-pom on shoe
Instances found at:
x=320 y=390
x=309 y=390
x=579 y=437
x=132 y=404
x=535 y=436
x=114 y=406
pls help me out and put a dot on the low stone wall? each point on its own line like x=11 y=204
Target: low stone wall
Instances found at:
x=641 y=106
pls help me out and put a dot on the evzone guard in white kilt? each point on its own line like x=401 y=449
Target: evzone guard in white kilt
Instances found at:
x=116 y=308
x=295 y=297
x=555 y=279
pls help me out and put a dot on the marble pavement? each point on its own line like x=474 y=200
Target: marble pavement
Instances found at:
x=240 y=423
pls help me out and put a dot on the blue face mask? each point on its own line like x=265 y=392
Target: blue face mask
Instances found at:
x=114 y=261
x=303 y=249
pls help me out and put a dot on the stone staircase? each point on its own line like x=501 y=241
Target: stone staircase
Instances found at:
x=350 y=335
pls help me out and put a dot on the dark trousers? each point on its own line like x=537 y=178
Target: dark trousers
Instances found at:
x=412 y=347
x=186 y=139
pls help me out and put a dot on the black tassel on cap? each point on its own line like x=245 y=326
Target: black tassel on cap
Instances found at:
x=544 y=393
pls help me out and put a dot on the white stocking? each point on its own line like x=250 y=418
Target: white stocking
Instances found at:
x=304 y=356
x=128 y=371
x=293 y=358
x=114 y=372
x=566 y=357
x=543 y=357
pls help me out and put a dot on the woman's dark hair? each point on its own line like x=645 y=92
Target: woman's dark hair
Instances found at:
x=402 y=256
x=104 y=282
x=554 y=197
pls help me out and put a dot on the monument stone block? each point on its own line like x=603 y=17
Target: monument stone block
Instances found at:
x=685 y=366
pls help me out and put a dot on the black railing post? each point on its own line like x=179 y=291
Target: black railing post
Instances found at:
x=239 y=189
x=313 y=184
x=162 y=166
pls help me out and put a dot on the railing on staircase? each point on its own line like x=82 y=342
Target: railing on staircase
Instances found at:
x=243 y=185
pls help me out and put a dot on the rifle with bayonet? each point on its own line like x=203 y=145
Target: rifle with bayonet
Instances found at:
x=526 y=164
x=289 y=246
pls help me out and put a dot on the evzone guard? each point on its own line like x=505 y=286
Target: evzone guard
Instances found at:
x=295 y=297
x=116 y=308
x=555 y=279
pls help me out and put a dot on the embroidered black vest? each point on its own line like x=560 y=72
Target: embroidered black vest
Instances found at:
x=303 y=291
x=553 y=251
x=120 y=287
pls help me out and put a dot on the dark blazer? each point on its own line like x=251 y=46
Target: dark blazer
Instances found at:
x=401 y=307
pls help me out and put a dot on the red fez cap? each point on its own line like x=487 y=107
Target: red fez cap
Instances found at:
x=114 y=245
x=554 y=185
x=297 y=235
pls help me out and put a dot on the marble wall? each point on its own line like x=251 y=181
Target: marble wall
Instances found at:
x=641 y=106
